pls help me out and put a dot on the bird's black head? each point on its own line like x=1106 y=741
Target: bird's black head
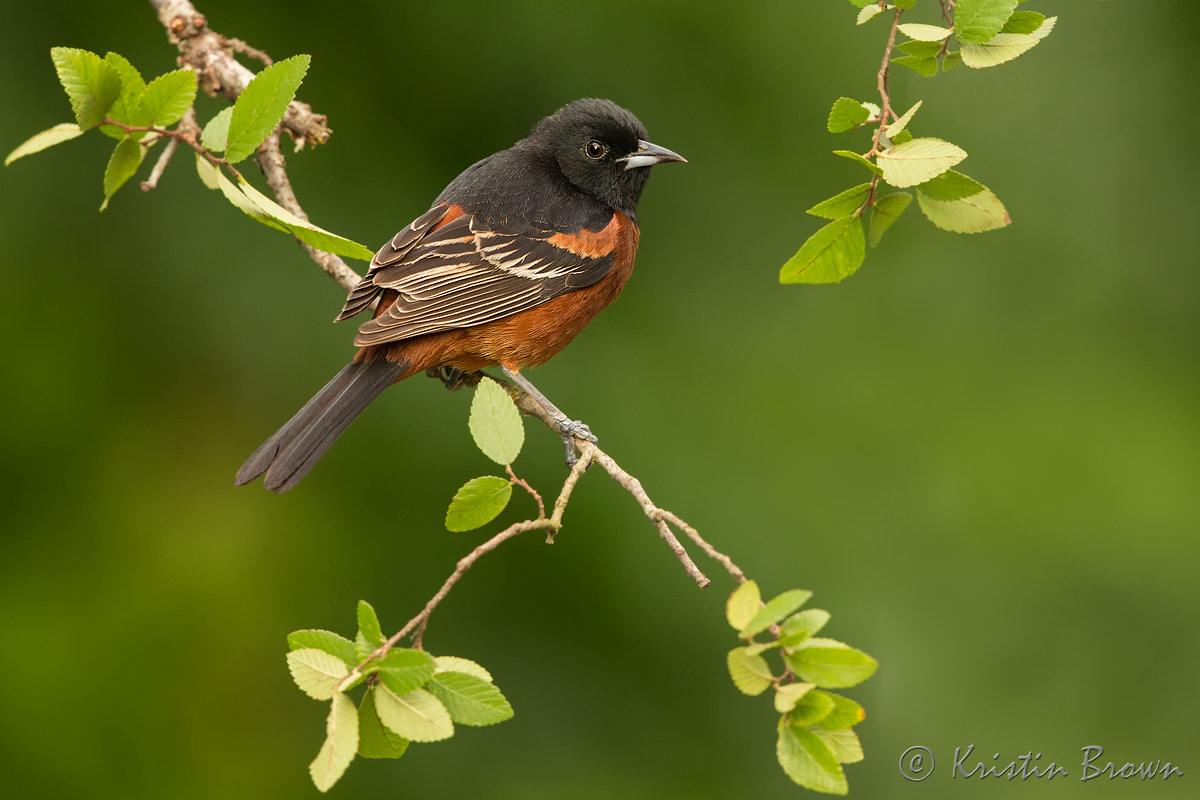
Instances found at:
x=602 y=149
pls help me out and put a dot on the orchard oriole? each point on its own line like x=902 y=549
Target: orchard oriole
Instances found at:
x=515 y=257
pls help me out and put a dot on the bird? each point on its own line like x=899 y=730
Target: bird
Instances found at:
x=513 y=259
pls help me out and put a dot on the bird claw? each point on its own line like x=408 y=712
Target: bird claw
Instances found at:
x=570 y=430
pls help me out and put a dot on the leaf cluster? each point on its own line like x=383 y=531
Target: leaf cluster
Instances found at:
x=110 y=94
x=815 y=729
x=988 y=32
x=411 y=695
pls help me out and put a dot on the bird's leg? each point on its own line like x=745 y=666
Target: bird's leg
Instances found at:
x=568 y=429
x=454 y=379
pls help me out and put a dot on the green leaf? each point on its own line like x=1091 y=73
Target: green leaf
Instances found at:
x=845 y=713
x=168 y=97
x=799 y=627
x=92 y=84
x=846 y=115
x=831 y=664
x=125 y=159
x=788 y=694
x=1023 y=22
x=951 y=60
x=470 y=700
x=213 y=178
x=842 y=743
x=869 y=13
x=368 y=623
x=63 y=132
x=862 y=3
x=842 y=204
x=341 y=743
x=743 y=604
x=976 y=21
x=831 y=254
x=856 y=157
x=402 y=670
x=455 y=664
x=811 y=708
x=1001 y=48
x=925 y=67
x=417 y=716
x=775 y=609
x=215 y=135
x=477 y=503
x=337 y=646
x=750 y=673
x=262 y=104
x=808 y=761
x=975 y=214
x=925 y=33
x=887 y=210
x=128 y=106
x=302 y=229
x=900 y=124
x=495 y=423
x=950 y=185
x=375 y=740
x=920 y=49
x=316 y=672
x=918 y=161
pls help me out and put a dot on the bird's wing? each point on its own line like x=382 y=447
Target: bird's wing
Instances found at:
x=459 y=273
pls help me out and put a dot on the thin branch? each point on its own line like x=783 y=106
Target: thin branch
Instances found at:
x=187 y=123
x=881 y=82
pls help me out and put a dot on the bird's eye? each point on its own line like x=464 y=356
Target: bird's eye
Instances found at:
x=595 y=150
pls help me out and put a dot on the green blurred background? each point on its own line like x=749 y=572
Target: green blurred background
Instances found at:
x=979 y=452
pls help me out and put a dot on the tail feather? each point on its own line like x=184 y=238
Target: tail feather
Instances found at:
x=292 y=450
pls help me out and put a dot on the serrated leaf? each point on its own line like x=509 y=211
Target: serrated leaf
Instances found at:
x=856 y=157
x=788 y=694
x=341 y=743
x=808 y=761
x=743 y=604
x=976 y=21
x=951 y=60
x=168 y=97
x=313 y=638
x=368 y=623
x=464 y=665
x=469 y=699
x=951 y=185
x=402 y=670
x=831 y=254
x=1023 y=22
x=920 y=49
x=316 y=672
x=92 y=84
x=495 y=423
x=900 y=124
x=775 y=610
x=302 y=229
x=1000 y=49
x=874 y=110
x=122 y=165
x=802 y=625
x=750 y=673
x=862 y=3
x=842 y=743
x=884 y=212
x=918 y=161
x=262 y=104
x=215 y=135
x=842 y=204
x=846 y=115
x=975 y=214
x=1046 y=28
x=869 y=13
x=926 y=67
x=374 y=739
x=63 y=132
x=925 y=33
x=845 y=713
x=830 y=664
x=811 y=708
x=417 y=716
x=128 y=106
x=478 y=502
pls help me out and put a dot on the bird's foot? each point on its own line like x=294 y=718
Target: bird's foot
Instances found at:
x=570 y=431
x=453 y=378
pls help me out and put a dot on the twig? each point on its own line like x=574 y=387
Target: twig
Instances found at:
x=241 y=47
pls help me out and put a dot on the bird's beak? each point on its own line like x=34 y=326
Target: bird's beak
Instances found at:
x=648 y=155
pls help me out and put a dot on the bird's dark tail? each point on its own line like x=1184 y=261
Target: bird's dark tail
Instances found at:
x=290 y=453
